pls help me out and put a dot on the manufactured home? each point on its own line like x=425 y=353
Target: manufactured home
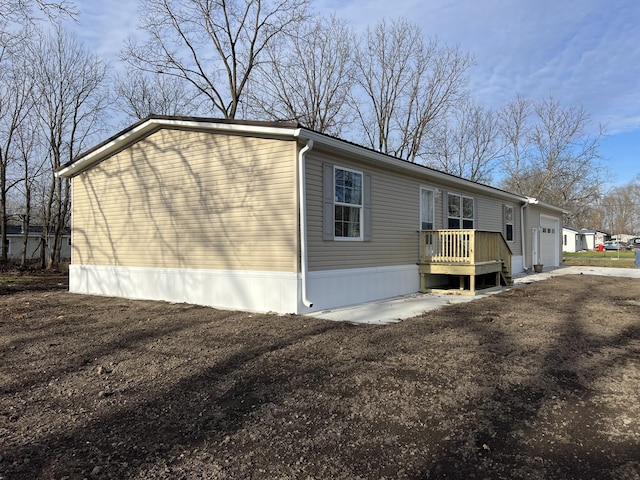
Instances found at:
x=593 y=238
x=573 y=240
x=15 y=242
x=264 y=216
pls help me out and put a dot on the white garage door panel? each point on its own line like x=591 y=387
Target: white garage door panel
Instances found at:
x=549 y=241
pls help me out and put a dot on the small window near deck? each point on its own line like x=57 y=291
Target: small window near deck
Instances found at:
x=427 y=204
x=508 y=223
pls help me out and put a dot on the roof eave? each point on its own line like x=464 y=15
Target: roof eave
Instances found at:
x=384 y=159
x=146 y=126
x=127 y=137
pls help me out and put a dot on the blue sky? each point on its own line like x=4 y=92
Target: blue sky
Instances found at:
x=583 y=52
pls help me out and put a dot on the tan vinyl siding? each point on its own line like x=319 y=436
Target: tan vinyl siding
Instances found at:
x=395 y=213
x=396 y=216
x=181 y=199
x=491 y=219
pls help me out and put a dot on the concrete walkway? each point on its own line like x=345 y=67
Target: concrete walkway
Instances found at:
x=400 y=308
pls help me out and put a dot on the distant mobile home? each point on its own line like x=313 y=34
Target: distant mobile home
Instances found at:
x=264 y=216
x=573 y=240
x=15 y=237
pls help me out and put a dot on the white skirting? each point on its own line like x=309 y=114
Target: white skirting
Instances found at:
x=516 y=264
x=341 y=288
x=252 y=291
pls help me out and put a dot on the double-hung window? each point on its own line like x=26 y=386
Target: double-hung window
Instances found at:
x=460 y=211
x=508 y=222
x=348 y=203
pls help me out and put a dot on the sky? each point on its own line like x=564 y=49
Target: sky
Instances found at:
x=582 y=52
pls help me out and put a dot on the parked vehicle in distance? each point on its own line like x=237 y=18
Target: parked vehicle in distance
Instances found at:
x=634 y=242
x=615 y=245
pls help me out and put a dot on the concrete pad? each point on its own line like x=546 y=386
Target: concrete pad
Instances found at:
x=392 y=310
x=577 y=270
x=401 y=308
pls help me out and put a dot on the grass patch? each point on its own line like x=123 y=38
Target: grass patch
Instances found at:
x=630 y=254
x=602 y=262
x=608 y=258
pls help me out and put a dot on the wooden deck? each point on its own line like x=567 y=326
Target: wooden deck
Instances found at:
x=463 y=261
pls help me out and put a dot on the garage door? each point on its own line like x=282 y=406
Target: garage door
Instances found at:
x=549 y=241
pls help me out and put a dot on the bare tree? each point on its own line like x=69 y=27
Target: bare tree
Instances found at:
x=213 y=45
x=22 y=11
x=561 y=162
x=15 y=104
x=405 y=84
x=308 y=78
x=621 y=209
x=513 y=123
x=33 y=167
x=468 y=145
x=139 y=95
x=70 y=83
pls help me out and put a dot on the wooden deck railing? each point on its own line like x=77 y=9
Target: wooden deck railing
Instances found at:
x=466 y=247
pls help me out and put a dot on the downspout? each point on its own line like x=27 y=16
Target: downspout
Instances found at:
x=303 y=221
x=522 y=236
x=529 y=201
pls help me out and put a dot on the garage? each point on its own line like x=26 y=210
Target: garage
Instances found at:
x=549 y=241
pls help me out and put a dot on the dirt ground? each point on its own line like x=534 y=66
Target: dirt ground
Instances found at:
x=537 y=382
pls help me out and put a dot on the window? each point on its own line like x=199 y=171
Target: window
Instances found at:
x=347 y=208
x=427 y=204
x=347 y=203
x=565 y=240
x=508 y=223
x=460 y=211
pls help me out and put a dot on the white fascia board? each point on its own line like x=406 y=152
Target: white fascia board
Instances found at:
x=127 y=138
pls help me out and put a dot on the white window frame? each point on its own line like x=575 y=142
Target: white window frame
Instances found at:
x=433 y=208
x=360 y=206
x=512 y=223
x=462 y=218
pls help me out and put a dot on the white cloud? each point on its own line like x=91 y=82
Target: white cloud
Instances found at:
x=106 y=25
x=584 y=52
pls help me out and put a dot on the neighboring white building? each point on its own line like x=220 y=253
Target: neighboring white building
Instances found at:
x=623 y=237
x=594 y=238
x=15 y=237
x=573 y=240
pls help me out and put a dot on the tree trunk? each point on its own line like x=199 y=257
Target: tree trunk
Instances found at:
x=26 y=220
x=4 y=244
x=45 y=262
